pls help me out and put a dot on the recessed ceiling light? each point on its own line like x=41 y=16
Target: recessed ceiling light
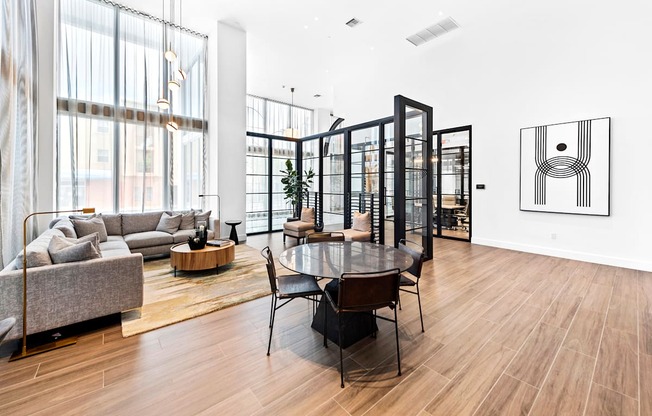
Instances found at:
x=305 y=27
x=372 y=48
x=441 y=13
x=316 y=19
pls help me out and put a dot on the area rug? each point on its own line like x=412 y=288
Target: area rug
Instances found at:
x=169 y=299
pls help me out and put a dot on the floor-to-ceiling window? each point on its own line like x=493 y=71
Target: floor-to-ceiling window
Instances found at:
x=274 y=128
x=113 y=149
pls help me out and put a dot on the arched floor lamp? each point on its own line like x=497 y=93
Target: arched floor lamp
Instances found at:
x=24 y=351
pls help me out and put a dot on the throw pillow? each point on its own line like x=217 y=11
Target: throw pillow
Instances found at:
x=169 y=223
x=65 y=251
x=187 y=220
x=361 y=221
x=94 y=238
x=89 y=226
x=202 y=216
x=308 y=215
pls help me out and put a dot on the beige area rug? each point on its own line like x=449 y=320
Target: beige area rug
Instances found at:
x=169 y=299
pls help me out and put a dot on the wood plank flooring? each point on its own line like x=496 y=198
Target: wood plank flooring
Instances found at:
x=507 y=333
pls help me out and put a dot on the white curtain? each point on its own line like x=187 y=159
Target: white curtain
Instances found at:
x=114 y=152
x=18 y=122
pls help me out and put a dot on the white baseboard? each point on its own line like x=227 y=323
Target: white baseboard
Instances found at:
x=568 y=254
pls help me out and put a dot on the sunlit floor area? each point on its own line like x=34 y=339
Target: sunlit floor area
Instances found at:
x=505 y=332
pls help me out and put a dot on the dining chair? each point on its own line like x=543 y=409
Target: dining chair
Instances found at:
x=364 y=292
x=324 y=237
x=418 y=257
x=286 y=288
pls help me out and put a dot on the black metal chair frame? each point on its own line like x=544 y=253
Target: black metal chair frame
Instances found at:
x=276 y=293
x=370 y=309
x=415 y=270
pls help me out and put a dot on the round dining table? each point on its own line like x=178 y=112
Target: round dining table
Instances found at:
x=330 y=260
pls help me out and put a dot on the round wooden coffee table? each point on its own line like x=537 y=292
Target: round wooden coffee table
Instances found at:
x=209 y=257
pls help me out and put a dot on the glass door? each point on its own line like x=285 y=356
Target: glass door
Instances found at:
x=413 y=172
x=451 y=191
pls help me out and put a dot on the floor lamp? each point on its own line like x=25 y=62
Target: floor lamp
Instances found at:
x=24 y=352
x=219 y=213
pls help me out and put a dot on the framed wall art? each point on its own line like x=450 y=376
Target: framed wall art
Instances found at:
x=565 y=167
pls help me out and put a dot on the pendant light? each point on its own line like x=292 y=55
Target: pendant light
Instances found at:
x=170 y=54
x=181 y=74
x=172 y=126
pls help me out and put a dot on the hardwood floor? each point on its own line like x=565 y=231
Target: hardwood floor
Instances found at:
x=506 y=333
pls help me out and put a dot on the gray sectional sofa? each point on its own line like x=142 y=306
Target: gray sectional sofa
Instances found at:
x=66 y=293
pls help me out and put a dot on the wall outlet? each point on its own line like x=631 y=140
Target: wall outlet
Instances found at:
x=553 y=236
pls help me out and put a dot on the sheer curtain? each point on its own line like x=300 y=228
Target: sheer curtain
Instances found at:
x=114 y=152
x=18 y=118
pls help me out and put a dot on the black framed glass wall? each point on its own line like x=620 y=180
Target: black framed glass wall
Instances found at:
x=413 y=175
x=451 y=185
x=333 y=181
x=266 y=208
x=310 y=160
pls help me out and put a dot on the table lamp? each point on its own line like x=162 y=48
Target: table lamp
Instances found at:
x=24 y=351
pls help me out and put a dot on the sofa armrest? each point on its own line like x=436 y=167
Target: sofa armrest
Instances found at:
x=215 y=225
x=63 y=294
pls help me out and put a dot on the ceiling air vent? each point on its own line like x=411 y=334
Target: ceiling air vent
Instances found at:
x=440 y=28
x=353 y=22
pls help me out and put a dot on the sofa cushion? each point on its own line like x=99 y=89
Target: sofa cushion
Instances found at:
x=140 y=222
x=65 y=225
x=202 y=216
x=308 y=215
x=361 y=222
x=182 y=236
x=116 y=246
x=63 y=250
x=298 y=226
x=169 y=223
x=37 y=250
x=89 y=226
x=148 y=239
x=355 y=235
x=113 y=223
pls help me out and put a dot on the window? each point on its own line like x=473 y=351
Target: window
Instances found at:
x=102 y=155
x=267 y=208
x=111 y=72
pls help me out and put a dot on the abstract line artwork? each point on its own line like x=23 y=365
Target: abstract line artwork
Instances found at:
x=565 y=167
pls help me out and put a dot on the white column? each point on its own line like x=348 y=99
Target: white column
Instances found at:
x=231 y=124
x=46 y=16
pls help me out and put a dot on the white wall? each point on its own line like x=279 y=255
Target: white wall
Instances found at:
x=231 y=124
x=45 y=16
x=534 y=64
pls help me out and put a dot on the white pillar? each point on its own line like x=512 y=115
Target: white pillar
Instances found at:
x=231 y=124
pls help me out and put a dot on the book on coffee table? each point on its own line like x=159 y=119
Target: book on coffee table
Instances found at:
x=217 y=242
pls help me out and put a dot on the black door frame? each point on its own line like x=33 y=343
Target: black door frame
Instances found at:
x=438 y=134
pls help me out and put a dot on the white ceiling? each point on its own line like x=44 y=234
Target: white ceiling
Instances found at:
x=306 y=44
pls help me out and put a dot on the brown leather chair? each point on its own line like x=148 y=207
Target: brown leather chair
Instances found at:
x=286 y=288
x=418 y=257
x=365 y=292
x=324 y=237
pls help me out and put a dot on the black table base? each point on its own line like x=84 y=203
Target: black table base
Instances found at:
x=355 y=325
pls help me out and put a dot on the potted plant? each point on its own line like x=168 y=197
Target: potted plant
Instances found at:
x=295 y=188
